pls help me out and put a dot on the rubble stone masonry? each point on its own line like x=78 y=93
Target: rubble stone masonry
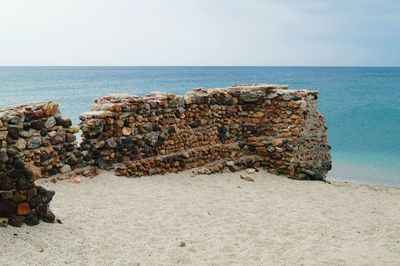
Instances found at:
x=210 y=131
x=34 y=142
x=231 y=128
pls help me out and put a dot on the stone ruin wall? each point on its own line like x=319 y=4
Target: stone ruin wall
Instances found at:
x=35 y=142
x=44 y=140
x=210 y=131
x=21 y=201
x=222 y=129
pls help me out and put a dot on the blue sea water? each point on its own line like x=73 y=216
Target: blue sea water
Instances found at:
x=361 y=104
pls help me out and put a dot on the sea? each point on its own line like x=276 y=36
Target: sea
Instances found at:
x=361 y=104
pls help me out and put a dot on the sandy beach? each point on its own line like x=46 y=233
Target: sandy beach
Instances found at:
x=221 y=219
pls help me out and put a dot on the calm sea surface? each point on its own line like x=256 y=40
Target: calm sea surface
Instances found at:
x=362 y=105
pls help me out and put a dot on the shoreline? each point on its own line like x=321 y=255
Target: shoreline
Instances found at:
x=358 y=182
x=364 y=173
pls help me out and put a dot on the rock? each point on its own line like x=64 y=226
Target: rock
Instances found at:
x=20 y=144
x=249 y=96
x=50 y=122
x=13 y=119
x=49 y=217
x=7 y=194
x=92 y=172
x=37 y=124
x=230 y=163
x=287 y=97
x=65 y=123
x=109 y=120
x=18 y=163
x=111 y=143
x=35 y=201
x=7 y=208
x=105 y=165
x=70 y=138
x=23 y=209
x=31 y=192
x=61 y=177
x=52 y=134
x=126 y=131
x=23 y=183
x=250 y=170
x=3 y=222
x=7 y=183
x=3 y=134
x=272 y=96
x=31 y=220
x=65 y=169
x=75 y=180
x=46 y=195
x=26 y=133
x=3 y=156
x=36 y=172
x=152 y=138
x=308 y=172
x=18 y=197
x=16 y=221
x=74 y=130
x=13 y=132
x=246 y=178
x=34 y=143
x=277 y=142
x=195 y=124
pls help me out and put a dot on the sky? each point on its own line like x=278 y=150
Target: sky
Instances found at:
x=200 y=32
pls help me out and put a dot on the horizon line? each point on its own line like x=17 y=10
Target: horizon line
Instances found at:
x=326 y=66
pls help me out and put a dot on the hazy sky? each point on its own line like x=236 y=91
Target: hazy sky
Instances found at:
x=199 y=32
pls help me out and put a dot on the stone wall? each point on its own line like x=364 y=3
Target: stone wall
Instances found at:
x=209 y=131
x=231 y=128
x=21 y=201
x=41 y=138
x=35 y=142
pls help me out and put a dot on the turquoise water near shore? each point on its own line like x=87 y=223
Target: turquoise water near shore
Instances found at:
x=361 y=104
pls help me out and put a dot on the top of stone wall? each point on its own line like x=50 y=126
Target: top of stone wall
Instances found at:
x=247 y=93
x=120 y=97
x=34 y=110
x=26 y=105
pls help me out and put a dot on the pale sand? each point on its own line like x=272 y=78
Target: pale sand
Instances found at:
x=222 y=219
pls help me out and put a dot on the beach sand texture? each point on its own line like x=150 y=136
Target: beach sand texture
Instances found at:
x=220 y=219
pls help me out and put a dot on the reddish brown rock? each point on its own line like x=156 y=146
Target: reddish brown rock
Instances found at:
x=92 y=172
x=23 y=209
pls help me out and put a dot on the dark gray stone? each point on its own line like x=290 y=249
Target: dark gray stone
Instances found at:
x=34 y=143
